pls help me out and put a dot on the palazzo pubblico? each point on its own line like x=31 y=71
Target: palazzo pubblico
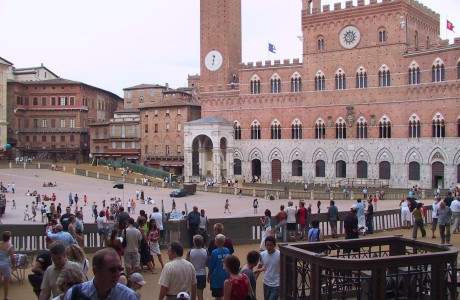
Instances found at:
x=375 y=96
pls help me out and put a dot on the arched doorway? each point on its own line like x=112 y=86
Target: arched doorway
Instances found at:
x=202 y=156
x=237 y=167
x=361 y=169
x=384 y=170
x=276 y=170
x=256 y=168
x=437 y=174
x=320 y=170
x=340 y=169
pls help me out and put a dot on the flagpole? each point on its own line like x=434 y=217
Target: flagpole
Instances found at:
x=447 y=18
x=268 y=51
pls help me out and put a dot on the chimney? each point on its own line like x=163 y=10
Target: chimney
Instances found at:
x=167 y=85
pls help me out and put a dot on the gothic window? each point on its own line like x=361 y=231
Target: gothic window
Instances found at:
x=384 y=170
x=296 y=83
x=414 y=73
x=340 y=80
x=382 y=35
x=438 y=71
x=361 y=78
x=255 y=85
x=255 y=130
x=296 y=128
x=340 y=128
x=320 y=129
x=385 y=128
x=275 y=129
x=361 y=128
x=320 y=168
x=414 y=126
x=414 y=170
x=361 y=169
x=237 y=167
x=297 y=168
x=458 y=127
x=275 y=84
x=427 y=42
x=320 y=43
x=438 y=126
x=320 y=81
x=237 y=130
x=384 y=76
x=416 y=40
x=340 y=169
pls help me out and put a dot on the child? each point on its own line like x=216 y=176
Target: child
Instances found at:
x=85 y=199
x=173 y=206
x=314 y=233
x=227 y=207
x=14 y=204
x=154 y=236
x=26 y=213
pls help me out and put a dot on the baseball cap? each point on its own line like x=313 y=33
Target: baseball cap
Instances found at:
x=354 y=207
x=137 y=278
x=183 y=295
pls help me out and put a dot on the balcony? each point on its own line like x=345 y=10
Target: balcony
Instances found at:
x=53 y=130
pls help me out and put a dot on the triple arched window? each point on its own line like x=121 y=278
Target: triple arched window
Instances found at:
x=255 y=85
x=237 y=130
x=414 y=73
x=384 y=76
x=275 y=84
x=361 y=78
x=361 y=128
x=275 y=130
x=320 y=129
x=385 y=128
x=340 y=80
x=320 y=81
x=255 y=130
x=296 y=128
x=296 y=83
x=438 y=126
x=340 y=129
x=438 y=71
x=414 y=126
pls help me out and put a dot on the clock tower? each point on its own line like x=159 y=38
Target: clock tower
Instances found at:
x=220 y=49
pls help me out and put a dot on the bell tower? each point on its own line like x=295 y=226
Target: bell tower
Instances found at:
x=220 y=44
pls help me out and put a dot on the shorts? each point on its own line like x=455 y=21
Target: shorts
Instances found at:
x=154 y=248
x=132 y=260
x=291 y=226
x=333 y=223
x=434 y=223
x=217 y=293
x=200 y=282
x=101 y=231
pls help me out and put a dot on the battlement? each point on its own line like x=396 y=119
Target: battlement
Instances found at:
x=318 y=9
x=439 y=45
x=270 y=63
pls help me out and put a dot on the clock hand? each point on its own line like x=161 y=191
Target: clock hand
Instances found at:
x=213 y=59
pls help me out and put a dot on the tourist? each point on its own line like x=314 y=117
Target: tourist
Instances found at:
x=252 y=259
x=318 y=204
x=85 y=199
x=101 y=222
x=204 y=222
x=41 y=263
x=369 y=214
x=314 y=233
x=444 y=219
x=270 y=265
x=333 y=217
x=69 y=277
x=434 y=216
x=158 y=217
x=280 y=228
x=376 y=199
x=72 y=231
x=418 y=221
x=144 y=248
x=227 y=207
x=131 y=252
x=255 y=205
x=122 y=218
x=448 y=199
x=56 y=233
x=236 y=286
x=266 y=228
x=114 y=242
x=198 y=257
x=173 y=205
x=64 y=219
x=455 y=207
x=193 y=224
x=302 y=215
x=7 y=262
x=104 y=285
x=177 y=275
x=76 y=254
x=350 y=223
x=216 y=272
x=154 y=237
x=291 y=221
x=136 y=282
x=219 y=229
x=406 y=214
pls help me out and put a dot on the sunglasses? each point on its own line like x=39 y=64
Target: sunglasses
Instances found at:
x=114 y=270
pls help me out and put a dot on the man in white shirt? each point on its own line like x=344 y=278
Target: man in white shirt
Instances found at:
x=270 y=264
x=132 y=257
x=158 y=217
x=455 y=207
x=291 y=221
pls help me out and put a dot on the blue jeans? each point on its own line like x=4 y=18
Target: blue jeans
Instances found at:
x=271 y=293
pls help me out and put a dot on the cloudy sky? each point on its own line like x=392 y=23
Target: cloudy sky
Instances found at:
x=114 y=44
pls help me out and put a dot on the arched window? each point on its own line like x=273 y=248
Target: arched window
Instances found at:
x=416 y=40
x=296 y=128
x=320 y=43
x=340 y=128
x=296 y=83
x=237 y=130
x=458 y=173
x=255 y=130
x=427 y=42
x=361 y=169
x=414 y=170
x=340 y=80
x=382 y=35
x=414 y=126
x=320 y=129
x=438 y=71
x=361 y=78
x=385 y=128
x=255 y=85
x=320 y=81
x=361 y=128
x=297 y=168
x=414 y=73
x=275 y=129
x=340 y=169
x=275 y=84
x=384 y=170
x=458 y=69
x=320 y=169
x=438 y=126
x=384 y=76
x=237 y=167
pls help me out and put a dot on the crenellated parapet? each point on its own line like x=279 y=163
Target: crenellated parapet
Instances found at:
x=269 y=63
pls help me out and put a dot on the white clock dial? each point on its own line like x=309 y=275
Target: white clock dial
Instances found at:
x=349 y=37
x=213 y=60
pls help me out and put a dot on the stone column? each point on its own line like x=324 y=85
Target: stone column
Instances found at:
x=188 y=168
x=230 y=162
x=216 y=165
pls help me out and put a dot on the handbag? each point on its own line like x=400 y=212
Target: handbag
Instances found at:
x=124 y=242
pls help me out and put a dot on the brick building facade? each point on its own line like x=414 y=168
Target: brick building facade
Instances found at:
x=50 y=118
x=375 y=98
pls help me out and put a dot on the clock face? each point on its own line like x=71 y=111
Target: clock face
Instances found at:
x=349 y=37
x=213 y=60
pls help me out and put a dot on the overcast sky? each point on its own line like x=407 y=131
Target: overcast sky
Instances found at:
x=114 y=44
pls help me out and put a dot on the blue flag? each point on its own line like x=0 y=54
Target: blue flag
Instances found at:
x=271 y=48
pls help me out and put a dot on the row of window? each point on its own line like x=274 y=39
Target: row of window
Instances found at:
x=167 y=127
x=438 y=129
x=341 y=169
x=438 y=74
x=48 y=138
x=58 y=101
x=43 y=123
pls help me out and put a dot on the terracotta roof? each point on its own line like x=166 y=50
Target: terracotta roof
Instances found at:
x=99 y=123
x=172 y=102
x=144 y=86
x=32 y=69
x=127 y=110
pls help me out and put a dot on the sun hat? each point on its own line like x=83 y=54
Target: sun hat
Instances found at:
x=137 y=278
x=354 y=207
x=183 y=295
